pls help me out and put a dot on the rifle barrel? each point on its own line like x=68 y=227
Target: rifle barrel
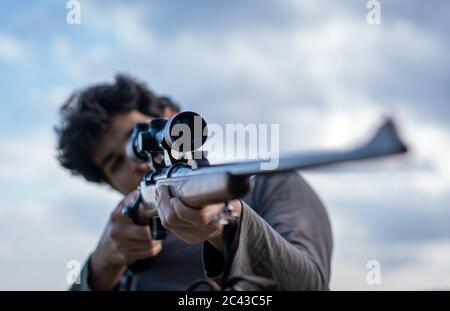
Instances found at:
x=385 y=142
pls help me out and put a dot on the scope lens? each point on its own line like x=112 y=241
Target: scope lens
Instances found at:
x=187 y=131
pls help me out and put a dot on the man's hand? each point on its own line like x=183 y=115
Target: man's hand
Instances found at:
x=192 y=225
x=122 y=243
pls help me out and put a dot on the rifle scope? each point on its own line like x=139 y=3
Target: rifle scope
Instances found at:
x=185 y=132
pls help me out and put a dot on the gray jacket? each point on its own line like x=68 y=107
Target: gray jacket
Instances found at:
x=284 y=235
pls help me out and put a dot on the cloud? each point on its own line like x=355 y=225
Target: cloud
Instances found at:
x=47 y=217
x=12 y=50
x=427 y=270
x=287 y=63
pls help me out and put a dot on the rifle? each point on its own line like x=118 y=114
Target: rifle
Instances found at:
x=197 y=183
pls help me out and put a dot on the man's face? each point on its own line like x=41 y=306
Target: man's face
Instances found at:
x=123 y=174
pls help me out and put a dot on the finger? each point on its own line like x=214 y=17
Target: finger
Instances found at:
x=146 y=211
x=162 y=193
x=201 y=216
x=214 y=227
x=149 y=252
x=136 y=232
x=162 y=199
x=173 y=218
x=127 y=200
x=165 y=209
x=139 y=246
x=117 y=215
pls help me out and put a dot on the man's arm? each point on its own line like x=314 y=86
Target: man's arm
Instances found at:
x=86 y=276
x=287 y=239
x=121 y=244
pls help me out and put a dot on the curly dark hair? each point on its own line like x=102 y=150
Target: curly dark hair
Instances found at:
x=87 y=113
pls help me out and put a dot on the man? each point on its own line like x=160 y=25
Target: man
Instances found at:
x=284 y=232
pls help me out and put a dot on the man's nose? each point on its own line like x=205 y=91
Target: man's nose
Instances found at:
x=141 y=168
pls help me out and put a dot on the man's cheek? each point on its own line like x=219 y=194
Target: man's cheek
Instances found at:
x=134 y=179
x=126 y=182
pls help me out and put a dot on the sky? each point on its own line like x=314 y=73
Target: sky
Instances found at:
x=316 y=68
